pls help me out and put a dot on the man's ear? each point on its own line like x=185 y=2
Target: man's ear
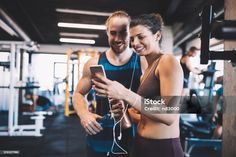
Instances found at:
x=158 y=36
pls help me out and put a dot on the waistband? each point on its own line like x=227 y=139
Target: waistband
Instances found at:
x=139 y=137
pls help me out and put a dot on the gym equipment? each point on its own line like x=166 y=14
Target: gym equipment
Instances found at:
x=13 y=128
x=221 y=30
x=196 y=131
x=191 y=143
x=200 y=100
x=73 y=58
x=4 y=79
x=196 y=126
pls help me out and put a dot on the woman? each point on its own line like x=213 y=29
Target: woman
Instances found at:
x=157 y=134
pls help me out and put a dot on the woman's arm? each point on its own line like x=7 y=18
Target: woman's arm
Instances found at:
x=171 y=80
x=136 y=101
x=114 y=90
x=171 y=83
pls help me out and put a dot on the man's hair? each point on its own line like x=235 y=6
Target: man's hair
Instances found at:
x=193 y=48
x=117 y=14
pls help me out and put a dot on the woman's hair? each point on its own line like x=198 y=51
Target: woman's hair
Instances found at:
x=152 y=21
x=117 y=14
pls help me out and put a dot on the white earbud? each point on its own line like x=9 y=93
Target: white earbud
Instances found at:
x=120 y=136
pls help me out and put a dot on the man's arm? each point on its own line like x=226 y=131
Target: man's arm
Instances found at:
x=215 y=103
x=82 y=88
x=191 y=68
x=88 y=119
x=134 y=115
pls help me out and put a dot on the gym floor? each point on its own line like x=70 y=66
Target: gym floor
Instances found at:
x=63 y=137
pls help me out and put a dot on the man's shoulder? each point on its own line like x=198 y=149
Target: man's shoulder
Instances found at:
x=92 y=61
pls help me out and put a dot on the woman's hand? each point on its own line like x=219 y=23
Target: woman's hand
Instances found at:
x=107 y=88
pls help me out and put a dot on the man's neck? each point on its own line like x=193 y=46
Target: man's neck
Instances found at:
x=119 y=58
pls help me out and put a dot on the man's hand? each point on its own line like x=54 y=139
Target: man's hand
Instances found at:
x=214 y=117
x=134 y=115
x=117 y=108
x=90 y=124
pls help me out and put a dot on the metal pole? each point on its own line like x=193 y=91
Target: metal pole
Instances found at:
x=206 y=33
x=67 y=93
x=11 y=95
x=16 y=107
x=16 y=28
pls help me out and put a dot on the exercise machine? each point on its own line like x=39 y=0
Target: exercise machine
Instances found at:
x=15 y=84
x=191 y=143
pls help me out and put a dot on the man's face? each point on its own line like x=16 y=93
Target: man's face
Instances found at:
x=118 y=34
x=193 y=53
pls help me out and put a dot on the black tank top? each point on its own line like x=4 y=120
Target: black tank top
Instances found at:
x=102 y=142
x=185 y=70
x=121 y=74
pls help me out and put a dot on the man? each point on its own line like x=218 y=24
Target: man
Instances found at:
x=187 y=68
x=40 y=103
x=121 y=64
x=218 y=109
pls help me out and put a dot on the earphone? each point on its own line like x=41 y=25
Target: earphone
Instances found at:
x=120 y=136
x=123 y=151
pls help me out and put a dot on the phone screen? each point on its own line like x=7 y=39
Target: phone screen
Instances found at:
x=97 y=69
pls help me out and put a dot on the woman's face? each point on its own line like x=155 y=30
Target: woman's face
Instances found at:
x=143 y=40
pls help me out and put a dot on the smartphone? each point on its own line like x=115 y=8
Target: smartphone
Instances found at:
x=97 y=69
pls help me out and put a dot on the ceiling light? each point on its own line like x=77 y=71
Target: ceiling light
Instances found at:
x=79 y=35
x=80 y=25
x=72 y=11
x=80 y=41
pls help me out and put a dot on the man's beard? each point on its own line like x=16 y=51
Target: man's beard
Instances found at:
x=118 y=49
